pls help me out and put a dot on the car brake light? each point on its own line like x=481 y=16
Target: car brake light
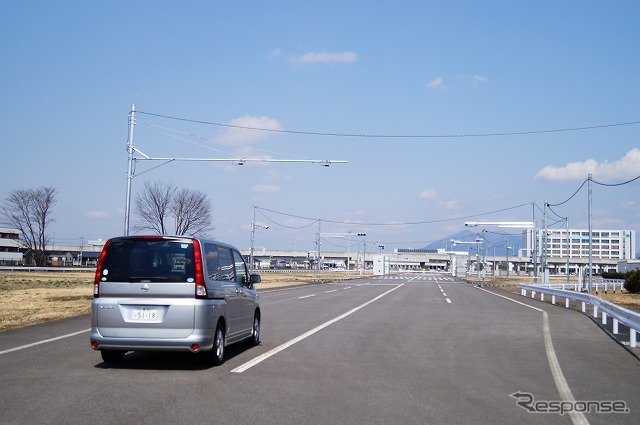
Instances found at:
x=201 y=288
x=99 y=266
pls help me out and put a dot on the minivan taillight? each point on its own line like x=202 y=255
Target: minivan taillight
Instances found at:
x=96 y=279
x=201 y=288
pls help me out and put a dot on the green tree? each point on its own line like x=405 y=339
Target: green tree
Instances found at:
x=632 y=282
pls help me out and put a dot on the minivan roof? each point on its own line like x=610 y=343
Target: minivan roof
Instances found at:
x=174 y=237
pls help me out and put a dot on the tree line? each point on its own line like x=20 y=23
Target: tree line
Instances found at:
x=160 y=208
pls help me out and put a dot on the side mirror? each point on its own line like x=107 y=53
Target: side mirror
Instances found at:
x=255 y=278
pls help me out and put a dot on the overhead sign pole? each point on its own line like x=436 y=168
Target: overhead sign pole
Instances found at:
x=132 y=150
x=132 y=121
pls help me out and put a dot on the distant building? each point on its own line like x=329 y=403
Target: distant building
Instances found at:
x=605 y=244
x=10 y=254
x=628 y=265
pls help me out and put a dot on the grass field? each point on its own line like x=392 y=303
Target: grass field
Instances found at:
x=27 y=298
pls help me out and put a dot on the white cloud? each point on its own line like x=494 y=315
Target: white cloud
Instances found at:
x=428 y=194
x=325 y=58
x=474 y=80
x=96 y=214
x=275 y=53
x=354 y=216
x=266 y=188
x=449 y=205
x=626 y=167
x=628 y=205
x=436 y=84
x=242 y=130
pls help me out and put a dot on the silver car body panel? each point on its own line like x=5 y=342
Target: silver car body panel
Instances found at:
x=149 y=314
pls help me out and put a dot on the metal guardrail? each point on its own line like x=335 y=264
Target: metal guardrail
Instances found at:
x=629 y=318
x=597 y=285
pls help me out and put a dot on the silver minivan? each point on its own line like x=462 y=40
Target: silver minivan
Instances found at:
x=172 y=293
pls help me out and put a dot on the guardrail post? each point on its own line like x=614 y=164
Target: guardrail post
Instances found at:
x=566 y=304
x=584 y=307
x=615 y=326
x=632 y=342
x=533 y=294
x=541 y=296
x=604 y=318
x=595 y=311
x=553 y=299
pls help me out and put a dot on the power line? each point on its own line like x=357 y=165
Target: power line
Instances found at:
x=395 y=136
x=570 y=197
x=314 y=220
x=596 y=182
x=616 y=184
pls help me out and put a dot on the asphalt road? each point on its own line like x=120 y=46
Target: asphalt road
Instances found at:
x=423 y=349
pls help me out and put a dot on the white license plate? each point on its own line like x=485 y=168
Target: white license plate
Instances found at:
x=144 y=314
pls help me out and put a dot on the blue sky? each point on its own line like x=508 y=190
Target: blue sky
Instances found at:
x=503 y=73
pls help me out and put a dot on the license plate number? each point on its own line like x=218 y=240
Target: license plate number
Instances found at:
x=145 y=314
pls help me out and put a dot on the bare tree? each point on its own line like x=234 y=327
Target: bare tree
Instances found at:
x=159 y=202
x=152 y=206
x=29 y=210
x=192 y=212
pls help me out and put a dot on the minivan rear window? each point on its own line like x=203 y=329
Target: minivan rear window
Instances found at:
x=148 y=260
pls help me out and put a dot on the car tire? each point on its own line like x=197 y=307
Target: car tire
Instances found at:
x=217 y=351
x=254 y=339
x=112 y=356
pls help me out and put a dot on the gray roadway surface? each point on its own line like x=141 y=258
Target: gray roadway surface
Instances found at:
x=409 y=357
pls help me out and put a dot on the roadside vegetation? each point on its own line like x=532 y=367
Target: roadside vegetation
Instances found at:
x=28 y=298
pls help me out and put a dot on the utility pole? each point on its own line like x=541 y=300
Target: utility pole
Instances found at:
x=590 y=239
x=545 y=272
x=127 y=209
x=318 y=241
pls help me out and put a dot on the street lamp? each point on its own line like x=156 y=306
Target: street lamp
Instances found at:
x=514 y=225
x=254 y=226
x=477 y=242
x=508 y=248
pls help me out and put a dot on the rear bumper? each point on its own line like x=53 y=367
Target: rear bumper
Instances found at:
x=204 y=342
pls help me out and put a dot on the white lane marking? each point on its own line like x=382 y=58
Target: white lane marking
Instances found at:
x=306 y=296
x=307 y=334
x=556 y=371
x=44 y=341
x=348 y=287
x=333 y=290
x=444 y=294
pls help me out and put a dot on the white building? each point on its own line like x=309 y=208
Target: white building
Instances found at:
x=605 y=244
x=10 y=247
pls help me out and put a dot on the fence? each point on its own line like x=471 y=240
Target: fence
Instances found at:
x=628 y=318
x=597 y=285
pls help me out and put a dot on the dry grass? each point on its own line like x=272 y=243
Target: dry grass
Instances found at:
x=27 y=298
x=622 y=298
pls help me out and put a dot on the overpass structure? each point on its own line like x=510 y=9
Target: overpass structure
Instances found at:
x=457 y=262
